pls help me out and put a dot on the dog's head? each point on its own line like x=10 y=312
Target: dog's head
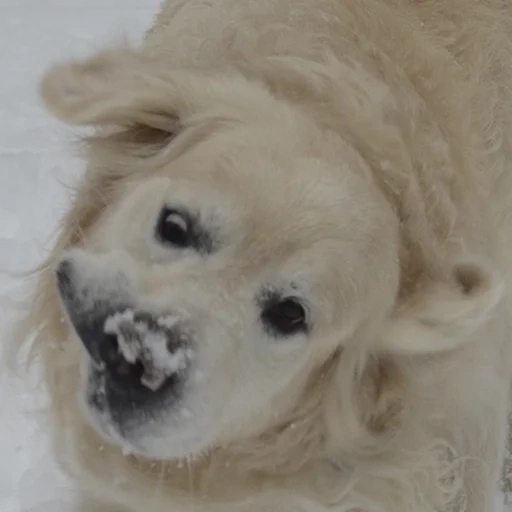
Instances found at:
x=223 y=248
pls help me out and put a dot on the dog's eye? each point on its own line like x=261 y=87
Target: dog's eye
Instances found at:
x=286 y=317
x=173 y=228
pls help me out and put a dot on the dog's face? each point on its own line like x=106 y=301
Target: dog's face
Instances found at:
x=209 y=290
x=234 y=253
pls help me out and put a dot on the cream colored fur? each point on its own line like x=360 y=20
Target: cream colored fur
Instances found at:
x=367 y=142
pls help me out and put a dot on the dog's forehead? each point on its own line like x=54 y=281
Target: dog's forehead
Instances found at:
x=301 y=201
x=266 y=181
x=261 y=164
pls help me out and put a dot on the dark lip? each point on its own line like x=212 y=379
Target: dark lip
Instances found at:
x=118 y=416
x=106 y=393
x=86 y=330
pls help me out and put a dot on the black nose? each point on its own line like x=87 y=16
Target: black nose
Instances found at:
x=140 y=350
x=64 y=275
x=135 y=349
x=87 y=314
x=124 y=373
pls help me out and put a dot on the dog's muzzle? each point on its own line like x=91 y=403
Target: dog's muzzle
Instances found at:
x=136 y=350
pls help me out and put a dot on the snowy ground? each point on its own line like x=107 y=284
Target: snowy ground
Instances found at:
x=35 y=166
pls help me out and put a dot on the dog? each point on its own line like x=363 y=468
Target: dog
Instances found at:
x=284 y=281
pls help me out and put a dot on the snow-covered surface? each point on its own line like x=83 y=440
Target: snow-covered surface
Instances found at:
x=35 y=168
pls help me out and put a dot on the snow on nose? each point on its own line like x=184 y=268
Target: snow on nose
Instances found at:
x=150 y=343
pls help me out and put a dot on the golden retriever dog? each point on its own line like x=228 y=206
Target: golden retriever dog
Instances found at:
x=284 y=282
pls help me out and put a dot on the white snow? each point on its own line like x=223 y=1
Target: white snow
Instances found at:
x=155 y=348
x=122 y=325
x=158 y=362
x=168 y=321
x=36 y=168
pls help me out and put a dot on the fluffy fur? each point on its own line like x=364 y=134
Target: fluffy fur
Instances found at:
x=360 y=147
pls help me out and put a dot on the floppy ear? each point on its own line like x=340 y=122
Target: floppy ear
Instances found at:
x=123 y=87
x=442 y=315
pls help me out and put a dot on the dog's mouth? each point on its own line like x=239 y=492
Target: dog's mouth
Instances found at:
x=136 y=352
x=118 y=409
x=128 y=387
x=133 y=382
x=139 y=360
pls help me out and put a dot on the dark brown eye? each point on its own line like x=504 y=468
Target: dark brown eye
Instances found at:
x=285 y=318
x=173 y=228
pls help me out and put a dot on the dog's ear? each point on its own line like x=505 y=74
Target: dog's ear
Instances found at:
x=443 y=313
x=123 y=87
x=108 y=88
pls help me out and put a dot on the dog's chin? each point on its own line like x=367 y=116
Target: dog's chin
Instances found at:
x=150 y=430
